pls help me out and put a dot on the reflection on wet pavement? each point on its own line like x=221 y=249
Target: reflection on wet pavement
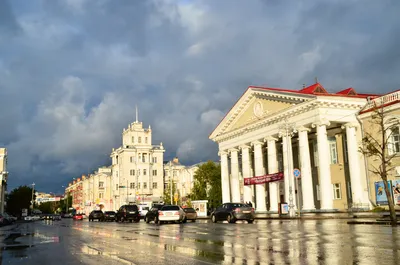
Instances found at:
x=265 y=242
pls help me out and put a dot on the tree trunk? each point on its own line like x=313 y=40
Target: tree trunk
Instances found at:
x=393 y=218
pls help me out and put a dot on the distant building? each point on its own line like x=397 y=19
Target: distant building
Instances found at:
x=75 y=189
x=137 y=167
x=97 y=191
x=3 y=177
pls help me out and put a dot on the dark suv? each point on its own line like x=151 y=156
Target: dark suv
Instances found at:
x=152 y=214
x=96 y=215
x=128 y=212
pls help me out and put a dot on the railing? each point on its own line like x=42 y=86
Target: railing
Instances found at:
x=386 y=99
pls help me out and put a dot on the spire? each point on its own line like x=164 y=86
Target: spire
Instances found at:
x=137 y=119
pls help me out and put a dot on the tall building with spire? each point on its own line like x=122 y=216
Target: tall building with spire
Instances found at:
x=137 y=167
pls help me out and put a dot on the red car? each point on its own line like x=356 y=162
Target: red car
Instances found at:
x=78 y=217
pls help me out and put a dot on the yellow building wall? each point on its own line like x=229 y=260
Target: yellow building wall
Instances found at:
x=338 y=175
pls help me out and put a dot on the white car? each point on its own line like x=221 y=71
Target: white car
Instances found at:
x=171 y=213
x=143 y=211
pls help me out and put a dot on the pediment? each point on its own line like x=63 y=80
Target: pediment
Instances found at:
x=257 y=109
x=257 y=104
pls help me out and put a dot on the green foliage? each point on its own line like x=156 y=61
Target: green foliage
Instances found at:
x=63 y=204
x=47 y=207
x=207 y=184
x=18 y=199
x=378 y=209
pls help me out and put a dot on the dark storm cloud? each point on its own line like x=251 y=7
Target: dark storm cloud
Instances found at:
x=71 y=71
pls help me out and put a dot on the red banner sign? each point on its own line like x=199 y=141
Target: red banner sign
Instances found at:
x=264 y=179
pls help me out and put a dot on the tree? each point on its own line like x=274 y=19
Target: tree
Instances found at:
x=207 y=184
x=63 y=203
x=18 y=199
x=376 y=144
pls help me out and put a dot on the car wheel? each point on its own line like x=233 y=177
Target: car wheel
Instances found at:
x=230 y=219
x=213 y=219
x=137 y=220
x=250 y=221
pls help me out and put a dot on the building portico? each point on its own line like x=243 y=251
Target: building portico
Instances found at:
x=276 y=130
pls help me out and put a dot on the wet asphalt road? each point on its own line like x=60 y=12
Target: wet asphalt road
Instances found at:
x=264 y=242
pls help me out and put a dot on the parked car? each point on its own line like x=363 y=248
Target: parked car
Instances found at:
x=232 y=212
x=128 y=213
x=143 y=209
x=109 y=216
x=171 y=213
x=9 y=218
x=77 y=217
x=152 y=214
x=191 y=214
x=96 y=215
x=4 y=220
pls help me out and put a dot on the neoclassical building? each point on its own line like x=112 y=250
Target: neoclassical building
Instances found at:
x=271 y=130
x=137 y=167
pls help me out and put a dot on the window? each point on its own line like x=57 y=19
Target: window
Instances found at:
x=144 y=172
x=144 y=157
x=138 y=185
x=333 y=149
x=145 y=140
x=133 y=139
x=394 y=146
x=116 y=186
x=174 y=173
x=140 y=156
x=132 y=185
x=140 y=140
x=337 y=191
x=154 y=172
x=144 y=185
x=101 y=195
x=133 y=159
x=101 y=184
x=154 y=185
x=154 y=159
x=132 y=172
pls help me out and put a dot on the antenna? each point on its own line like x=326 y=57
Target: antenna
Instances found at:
x=137 y=114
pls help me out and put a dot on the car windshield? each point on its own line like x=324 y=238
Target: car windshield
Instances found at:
x=97 y=211
x=170 y=208
x=131 y=208
x=189 y=210
x=110 y=212
x=238 y=205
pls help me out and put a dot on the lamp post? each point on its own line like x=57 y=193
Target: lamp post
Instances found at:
x=287 y=129
x=33 y=191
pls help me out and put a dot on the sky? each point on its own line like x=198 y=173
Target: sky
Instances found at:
x=72 y=71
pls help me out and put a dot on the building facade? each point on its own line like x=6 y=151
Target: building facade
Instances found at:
x=181 y=177
x=97 y=190
x=137 y=167
x=271 y=131
x=75 y=189
x=389 y=104
x=3 y=177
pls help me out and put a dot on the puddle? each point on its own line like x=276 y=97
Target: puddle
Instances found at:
x=113 y=255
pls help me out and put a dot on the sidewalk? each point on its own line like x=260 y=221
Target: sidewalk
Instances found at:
x=314 y=216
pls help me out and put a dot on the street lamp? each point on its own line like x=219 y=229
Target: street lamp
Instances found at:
x=287 y=129
x=33 y=191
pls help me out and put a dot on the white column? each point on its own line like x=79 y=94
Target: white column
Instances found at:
x=288 y=170
x=259 y=171
x=324 y=169
x=247 y=192
x=235 y=186
x=273 y=168
x=305 y=167
x=226 y=192
x=354 y=164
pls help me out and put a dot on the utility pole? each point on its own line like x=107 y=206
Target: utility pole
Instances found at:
x=170 y=178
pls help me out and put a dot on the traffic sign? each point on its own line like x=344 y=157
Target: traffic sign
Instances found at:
x=296 y=173
x=176 y=197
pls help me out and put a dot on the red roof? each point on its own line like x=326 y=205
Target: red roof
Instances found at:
x=318 y=89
